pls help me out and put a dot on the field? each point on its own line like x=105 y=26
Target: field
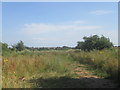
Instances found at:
x=60 y=68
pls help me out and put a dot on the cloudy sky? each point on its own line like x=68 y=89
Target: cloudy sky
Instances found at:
x=52 y=24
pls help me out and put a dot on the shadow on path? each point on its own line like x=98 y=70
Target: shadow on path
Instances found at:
x=67 y=82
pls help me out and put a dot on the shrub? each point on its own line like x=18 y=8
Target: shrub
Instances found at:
x=19 y=46
x=94 y=42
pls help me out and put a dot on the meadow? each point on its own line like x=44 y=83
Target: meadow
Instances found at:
x=55 y=68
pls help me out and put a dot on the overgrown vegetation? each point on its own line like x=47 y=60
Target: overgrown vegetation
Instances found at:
x=35 y=64
x=105 y=60
x=22 y=66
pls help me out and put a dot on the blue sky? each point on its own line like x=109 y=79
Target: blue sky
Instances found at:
x=58 y=24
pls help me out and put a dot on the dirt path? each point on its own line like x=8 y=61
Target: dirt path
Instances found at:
x=92 y=80
x=83 y=77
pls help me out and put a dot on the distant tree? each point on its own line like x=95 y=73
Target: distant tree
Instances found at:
x=4 y=46
x=19 y=46
x=94 y=42
x=4 y=50
x=65 y=47
x=80 y=45
x=13 y=47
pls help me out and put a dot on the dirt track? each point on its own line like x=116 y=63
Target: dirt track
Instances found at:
x=92 y=80
x=83 y=78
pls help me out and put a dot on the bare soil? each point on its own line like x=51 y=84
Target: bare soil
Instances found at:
x=92 y=80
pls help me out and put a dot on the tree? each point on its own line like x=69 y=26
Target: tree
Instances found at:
x=65 y=47
x=4 y=46
x=19 y=46
x=94 y=42
x=4 y=49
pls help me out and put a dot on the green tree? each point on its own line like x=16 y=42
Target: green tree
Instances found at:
x=4 y=50
x=4 y=46
x=65 y=47
x=94 y=42
x=19 y=46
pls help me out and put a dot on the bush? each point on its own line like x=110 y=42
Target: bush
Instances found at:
x=19 y=46
x=94 y=42
x=5 y=51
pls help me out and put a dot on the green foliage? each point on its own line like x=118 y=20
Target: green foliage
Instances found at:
x=30 y=62
x=5 y=50
x=94 y=42
x=105 y=60
x=19 y=46
x=65 y=47
x=4 y=46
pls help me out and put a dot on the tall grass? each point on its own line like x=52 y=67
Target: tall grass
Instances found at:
x=104 y=60
x=26 y=65
x=21 y=66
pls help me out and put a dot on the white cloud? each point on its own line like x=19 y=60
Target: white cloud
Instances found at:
x=71 y=38
x=66 y=33
x=38 y=28
x=39 y=39
x=79 y=22
x=101 y=12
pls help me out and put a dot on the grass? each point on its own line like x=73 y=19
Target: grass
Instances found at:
x=28 y=69
x=105 y=61
x=20 y=66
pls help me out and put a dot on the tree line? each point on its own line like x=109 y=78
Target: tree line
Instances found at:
x=89 y=43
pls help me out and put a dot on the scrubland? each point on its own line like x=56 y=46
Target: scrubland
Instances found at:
x=52 y=68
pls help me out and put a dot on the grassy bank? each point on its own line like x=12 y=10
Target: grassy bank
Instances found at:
x=21 y=68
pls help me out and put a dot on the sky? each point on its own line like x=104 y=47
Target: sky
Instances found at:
x=52 y=24
x=60 y=0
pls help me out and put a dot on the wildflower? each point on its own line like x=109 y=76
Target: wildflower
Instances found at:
x=5 y=60
x=101 y=52
x=14 y=72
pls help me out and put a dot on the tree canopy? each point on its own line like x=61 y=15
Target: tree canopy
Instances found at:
x=19 y=46
x=94 y=42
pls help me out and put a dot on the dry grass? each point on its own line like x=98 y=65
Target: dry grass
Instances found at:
x=20 y=67
x=104 y=60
